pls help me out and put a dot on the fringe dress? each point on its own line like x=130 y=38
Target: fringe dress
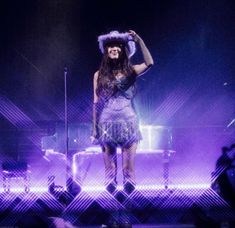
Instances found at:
x=118 y=121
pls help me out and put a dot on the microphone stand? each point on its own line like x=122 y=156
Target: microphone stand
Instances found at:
x=68 y=168
x=66 y=112
x=71 y=186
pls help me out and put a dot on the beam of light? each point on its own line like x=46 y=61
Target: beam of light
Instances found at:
x=27 y=201
x=29 y=62
x=22 y=190
x=101 y=188
x=210 y=196
x=190 y=186
x=150 y=137
x=171 y=104
x=81 y=202
x=231 y=123
x=21 y=203
x=14 y=114
x=18 y=118
x=153 y=137
x=79 y=173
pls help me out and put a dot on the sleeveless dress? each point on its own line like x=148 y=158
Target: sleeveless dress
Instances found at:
x=118 y=122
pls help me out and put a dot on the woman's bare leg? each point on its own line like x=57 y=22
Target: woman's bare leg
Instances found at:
x=110 y=163
x=128 y=163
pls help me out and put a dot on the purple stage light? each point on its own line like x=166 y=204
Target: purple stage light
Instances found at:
x=101 y=188
x=175 y=100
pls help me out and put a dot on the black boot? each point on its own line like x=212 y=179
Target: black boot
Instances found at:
x=129 y=187
x=111 y=187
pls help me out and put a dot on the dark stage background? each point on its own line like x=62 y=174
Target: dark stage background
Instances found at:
x=191 y=87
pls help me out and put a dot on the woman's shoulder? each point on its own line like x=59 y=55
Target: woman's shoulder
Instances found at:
x=96 y=74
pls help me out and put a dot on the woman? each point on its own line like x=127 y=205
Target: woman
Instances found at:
x=114 y=117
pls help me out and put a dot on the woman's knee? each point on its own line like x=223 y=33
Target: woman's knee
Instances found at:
x=109 y=148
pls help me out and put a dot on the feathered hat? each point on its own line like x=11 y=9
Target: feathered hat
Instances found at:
x=115 y=36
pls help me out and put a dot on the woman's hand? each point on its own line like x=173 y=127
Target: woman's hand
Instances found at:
x=134 y=35
x=148 y=60
x=94 y=140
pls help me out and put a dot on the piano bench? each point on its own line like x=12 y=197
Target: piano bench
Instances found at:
x=18 y=171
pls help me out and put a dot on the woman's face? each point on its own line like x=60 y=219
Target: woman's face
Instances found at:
x=114 y=51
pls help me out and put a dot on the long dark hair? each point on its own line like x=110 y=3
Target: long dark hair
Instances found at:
x=108 y=70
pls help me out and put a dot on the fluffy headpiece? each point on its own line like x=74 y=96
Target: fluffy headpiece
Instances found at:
x=115 y=36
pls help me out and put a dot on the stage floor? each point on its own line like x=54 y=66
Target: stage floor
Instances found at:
x=171 y=207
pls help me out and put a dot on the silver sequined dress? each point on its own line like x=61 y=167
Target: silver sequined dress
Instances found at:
x=118 y=122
